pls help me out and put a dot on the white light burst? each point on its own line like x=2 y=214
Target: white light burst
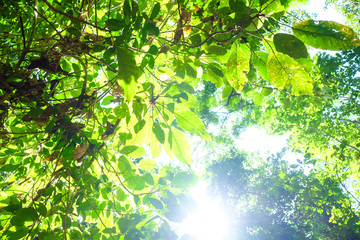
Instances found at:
x=209 y=222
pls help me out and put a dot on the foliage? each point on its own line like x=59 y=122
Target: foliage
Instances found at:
x=275 y=200
x=93 y=92
x=350 y=9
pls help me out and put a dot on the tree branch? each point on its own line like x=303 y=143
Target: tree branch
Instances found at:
x=72 y=17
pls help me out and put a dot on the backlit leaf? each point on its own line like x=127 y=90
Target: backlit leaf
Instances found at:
x=238 y=65
x=259 y=60
x=139 y=125
x=120 y=194
x=127 y=71
x=147 y=164
x=258 y=98
x=189 y=121
x=159 y=133
x=266 y=91
x=180 y=146
x=326 y=35
x=285 y=71
x=107 y=100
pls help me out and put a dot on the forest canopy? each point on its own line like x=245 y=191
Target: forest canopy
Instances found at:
x=95 y=95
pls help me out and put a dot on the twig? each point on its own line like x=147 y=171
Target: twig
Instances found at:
x=22 y=30
x=72 y=17
x=26 y=49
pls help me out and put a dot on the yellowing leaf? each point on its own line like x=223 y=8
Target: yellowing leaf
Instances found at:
x=326 y=35
x=238 y=65
x=285 y=71
x=147 y=164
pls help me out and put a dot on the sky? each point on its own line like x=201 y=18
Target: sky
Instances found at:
x=330 y=14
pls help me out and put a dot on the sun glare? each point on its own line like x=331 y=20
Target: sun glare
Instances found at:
x=209 y=222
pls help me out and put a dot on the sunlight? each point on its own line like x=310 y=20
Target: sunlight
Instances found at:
x=254 y=139
x=329 y=14
x=209 y=221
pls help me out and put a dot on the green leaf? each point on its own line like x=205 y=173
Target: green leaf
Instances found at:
x=266 y=91
x=9 y=168
x=124 y=164
x=137 y=109
x=66 y=222
x=184 y=180
x=259 y=60
x=180 y=146
x=107 y=100
x=189 y=121
x=238 y=65
x=318 y=102
x=217 y=50
x=153 y=50
x=258 y=99
x=184 y=86
x=19 y=233
x=155 y=11
x=216 y=68
x=115 y=25
x=136 y=182
x=68 y=152
x=28 y=214
x=127 y=8
x=127 y=71
x=290 y=45
x=214 y=74
x=285 y=71
x=255 y=24
x=133 y=151
x=159 y=133
x=236 y=5
x=149 y=179
x=34 y=112
x=124 y=224
x=41 y=209
x=156 y=203
x=326 y=35
x=286 y=103
x=226 y=92
x=139 y=125
x=120 y=194
x=179 y=68
x=190 y=70
x=17 y=221
x=74 y=31
x=147 y=164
